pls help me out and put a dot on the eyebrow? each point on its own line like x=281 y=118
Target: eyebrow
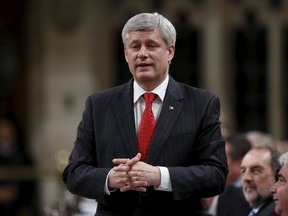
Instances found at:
x=257 y=167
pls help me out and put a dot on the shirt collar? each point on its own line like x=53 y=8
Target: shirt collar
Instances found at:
x=238 y=183
x=257 y=209
x=159 y=90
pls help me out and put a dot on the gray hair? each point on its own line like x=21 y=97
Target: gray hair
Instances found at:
x=274 y=154
x=258 y=138
x=149 y=22
x=283 y=159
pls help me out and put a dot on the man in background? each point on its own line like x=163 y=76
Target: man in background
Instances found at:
x=258 y=173
x=231 y=202
x=280 y=188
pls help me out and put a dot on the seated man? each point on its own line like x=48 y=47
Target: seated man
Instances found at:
x=258 y=173
x=280 y=188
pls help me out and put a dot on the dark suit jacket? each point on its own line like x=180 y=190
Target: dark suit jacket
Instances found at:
x=268 y=209
x=232 y=202
x=187 y=140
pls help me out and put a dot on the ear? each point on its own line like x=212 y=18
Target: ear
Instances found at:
x=125 y=53
x=171 y=52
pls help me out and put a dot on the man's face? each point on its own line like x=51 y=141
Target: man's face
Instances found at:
x=257 y=176
x=280 y=191
x=148 y=57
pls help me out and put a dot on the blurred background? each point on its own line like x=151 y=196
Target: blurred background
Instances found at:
x=54 y=53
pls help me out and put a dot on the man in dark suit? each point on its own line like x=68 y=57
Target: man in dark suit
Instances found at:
x=258 y=173
x=186 y=159
x=232 y=201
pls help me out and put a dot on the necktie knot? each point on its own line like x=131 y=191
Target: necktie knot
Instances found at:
x=149 y=97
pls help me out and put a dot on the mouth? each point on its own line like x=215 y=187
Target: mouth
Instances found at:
x=249 y=189
x=275 y=200
x=143 y=66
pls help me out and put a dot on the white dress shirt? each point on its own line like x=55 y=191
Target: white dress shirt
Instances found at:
x=139 y=106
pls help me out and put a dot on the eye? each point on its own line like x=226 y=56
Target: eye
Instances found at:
x=256 y=171
x=134 y=47
x=242 y=171
x=281 y=179
x=151 y=46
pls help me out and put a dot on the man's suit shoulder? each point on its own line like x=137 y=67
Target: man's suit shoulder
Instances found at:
x=196 y=90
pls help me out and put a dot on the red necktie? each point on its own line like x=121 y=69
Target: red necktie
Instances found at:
x=147 y=126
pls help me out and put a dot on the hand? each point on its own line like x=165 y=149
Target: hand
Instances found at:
x=143 y=175
x=118 y=176
x=133 y=174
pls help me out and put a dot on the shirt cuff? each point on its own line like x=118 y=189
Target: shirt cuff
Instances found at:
x=106 y=189
x=165 y=184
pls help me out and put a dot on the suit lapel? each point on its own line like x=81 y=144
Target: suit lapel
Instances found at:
x=171 y=109
x=124 y=113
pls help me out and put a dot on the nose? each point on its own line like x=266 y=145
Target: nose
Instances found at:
x=246 y=176
x=273 y=188
x=142 y=52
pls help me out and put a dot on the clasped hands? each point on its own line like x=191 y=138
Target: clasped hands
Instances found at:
x=133 y=174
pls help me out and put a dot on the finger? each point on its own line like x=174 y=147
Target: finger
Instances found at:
x=123 y=181
x=140 y=189
x=130 y=162
x=136 y=174
x=118 y=161
x=134 y=160
x=122 y=168
x=125 y=188
x=138 y=183
x=117 y=183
